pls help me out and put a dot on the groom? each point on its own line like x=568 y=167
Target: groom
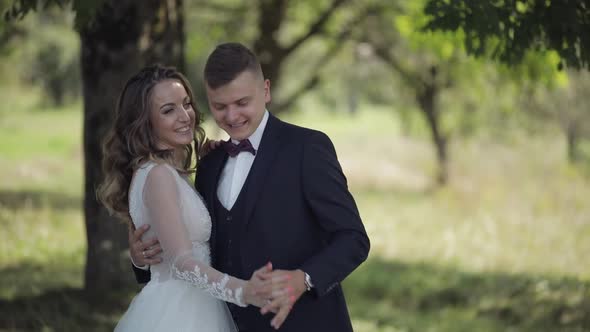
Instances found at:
x=277 y=194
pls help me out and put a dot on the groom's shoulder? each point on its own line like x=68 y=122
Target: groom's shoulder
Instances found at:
x=307 y=139
x=304 y=134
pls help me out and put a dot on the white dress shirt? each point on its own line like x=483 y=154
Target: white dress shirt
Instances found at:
x=236 y=169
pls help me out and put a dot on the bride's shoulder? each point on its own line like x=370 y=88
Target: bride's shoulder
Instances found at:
x=149 y=165
x=158 y=170
x=151 y=169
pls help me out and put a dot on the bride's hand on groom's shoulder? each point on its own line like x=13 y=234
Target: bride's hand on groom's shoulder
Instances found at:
x=208 y=146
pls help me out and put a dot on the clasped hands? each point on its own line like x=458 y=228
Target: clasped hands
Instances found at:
x=275 y=291
x=271 y=290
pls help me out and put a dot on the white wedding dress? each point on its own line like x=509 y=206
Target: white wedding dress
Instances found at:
x=185 y=293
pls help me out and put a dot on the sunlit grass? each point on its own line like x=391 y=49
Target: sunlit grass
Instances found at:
x=42 y=243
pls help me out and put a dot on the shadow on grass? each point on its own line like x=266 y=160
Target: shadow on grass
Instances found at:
x=30 y=278
x=38 y=199
x=45 y=299
x=64 y=309
x=391 y=296
x=425 y=297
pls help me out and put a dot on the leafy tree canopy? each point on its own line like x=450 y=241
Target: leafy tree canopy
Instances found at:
x=507 y=29
x=84 y=9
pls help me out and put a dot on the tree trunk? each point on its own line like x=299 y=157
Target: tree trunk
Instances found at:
x=427 y=102
x=56 y=91
x=572 y=137
x=124 y=36
x=266 y=47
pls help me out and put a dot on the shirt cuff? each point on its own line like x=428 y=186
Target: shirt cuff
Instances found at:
x=145 y=267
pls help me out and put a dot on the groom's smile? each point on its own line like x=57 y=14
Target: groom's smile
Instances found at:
x=237 y=125
x=238 y=106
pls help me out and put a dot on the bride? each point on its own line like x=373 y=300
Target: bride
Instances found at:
x=147 y=160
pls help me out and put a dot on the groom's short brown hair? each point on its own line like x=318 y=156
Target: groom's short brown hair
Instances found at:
x=227 y=61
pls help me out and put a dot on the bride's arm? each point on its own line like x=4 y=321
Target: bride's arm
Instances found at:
x=164 y=211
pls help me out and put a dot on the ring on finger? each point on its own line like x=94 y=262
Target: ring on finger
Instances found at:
x=143 y=253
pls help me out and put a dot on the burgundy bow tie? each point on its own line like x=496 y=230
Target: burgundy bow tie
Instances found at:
x=233 y=149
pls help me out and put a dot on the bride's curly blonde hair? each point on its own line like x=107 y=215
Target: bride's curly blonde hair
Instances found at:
x=131 y=141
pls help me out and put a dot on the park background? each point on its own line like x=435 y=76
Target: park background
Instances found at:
x=463 y=128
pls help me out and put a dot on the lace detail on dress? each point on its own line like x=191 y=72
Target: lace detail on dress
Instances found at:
x=217 y=289
x=202 y=252
x=155 y=276
x=161 y=197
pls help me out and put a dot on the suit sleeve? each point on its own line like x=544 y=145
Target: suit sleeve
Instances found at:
x=326 y=193
x=199 y=178
x=142 y=276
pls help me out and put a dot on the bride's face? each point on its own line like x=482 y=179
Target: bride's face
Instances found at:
x=172 y=115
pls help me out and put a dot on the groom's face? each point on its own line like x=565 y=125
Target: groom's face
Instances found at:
x=238 y=107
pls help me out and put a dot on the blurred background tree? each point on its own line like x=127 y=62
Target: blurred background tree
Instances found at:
x=426 y=63
x=54 y=52
x=526 y=34
x=117 y=38
x=45 y=60
x=506 y=30
x=567 y=105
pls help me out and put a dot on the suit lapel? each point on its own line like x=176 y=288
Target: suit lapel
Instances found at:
x=217 y=166
x=267 y=151
x=214 y=167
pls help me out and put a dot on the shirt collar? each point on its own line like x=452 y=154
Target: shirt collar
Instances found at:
x=256 y=136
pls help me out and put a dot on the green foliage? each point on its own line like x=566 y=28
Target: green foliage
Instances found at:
x=84 y=9
x=537 y=69
x=45 y=58
x=55 y=58
x=566 y=105
x=432 y=59
x=506 y=30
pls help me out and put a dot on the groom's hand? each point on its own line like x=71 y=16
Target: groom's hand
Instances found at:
x=289 y=285
x=143 y=253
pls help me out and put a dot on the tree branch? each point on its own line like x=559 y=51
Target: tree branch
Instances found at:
x=221 y=8
x=385 y=56
x=337 y=45
x=316 y=27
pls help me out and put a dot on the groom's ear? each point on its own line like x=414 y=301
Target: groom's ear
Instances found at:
x=267 y=97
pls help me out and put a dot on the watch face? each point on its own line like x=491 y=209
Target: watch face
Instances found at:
x=308 y=281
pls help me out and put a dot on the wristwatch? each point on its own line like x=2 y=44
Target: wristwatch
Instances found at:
x=307 y=282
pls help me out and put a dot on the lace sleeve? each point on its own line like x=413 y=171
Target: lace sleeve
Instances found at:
x=164 y=212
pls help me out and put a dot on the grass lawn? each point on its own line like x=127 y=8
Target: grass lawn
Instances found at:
x=504 y=247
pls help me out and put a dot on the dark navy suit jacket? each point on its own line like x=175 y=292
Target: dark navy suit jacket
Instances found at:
x=299 y=214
